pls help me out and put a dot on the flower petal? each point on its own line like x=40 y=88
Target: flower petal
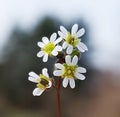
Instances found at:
x=45 y=58
x=41 y=44
x=69 y=49
x=80 y=32
x=33 y=74
x=74 y=60
x=58 y=72
x=45 y=72
x=83 y=46
x=80 y=76
x=45 y=40
x=65 y=82
x=58 y=48
x=74 y=29
x=81 y=70
x=62 y=35
x=57 y=40
x=72 y=83
x=80 y=49
x=40 y=54
x=59 y=66
x=50 y=84
x=63 y=29
x=68 y=59
x=53 y=37
x=54 y=53
x=65 y=44
x=37 y=91
x=33 y=79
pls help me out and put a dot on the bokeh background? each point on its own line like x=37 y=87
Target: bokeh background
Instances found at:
x=24 y=22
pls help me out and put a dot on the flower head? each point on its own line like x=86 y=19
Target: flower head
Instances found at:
x=69 y=71
x=49 y=47
x=72 y=39
x=43 y=81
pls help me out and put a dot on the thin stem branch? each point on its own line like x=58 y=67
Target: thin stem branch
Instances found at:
x=58 y=97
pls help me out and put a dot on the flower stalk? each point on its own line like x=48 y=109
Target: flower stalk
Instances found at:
x=58 y=97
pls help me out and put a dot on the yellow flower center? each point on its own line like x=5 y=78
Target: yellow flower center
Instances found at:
x=69 y=71
x=72 y=40
x=43 y=82
x=49 y=48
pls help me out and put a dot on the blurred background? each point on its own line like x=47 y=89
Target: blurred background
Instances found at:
x=23 y=23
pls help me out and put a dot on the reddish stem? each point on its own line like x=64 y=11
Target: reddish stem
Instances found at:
x=58 y=96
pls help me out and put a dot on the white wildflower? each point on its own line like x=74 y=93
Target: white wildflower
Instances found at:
x=69 y=71
x=49 y=47
x=43 y=81
x=72 y=39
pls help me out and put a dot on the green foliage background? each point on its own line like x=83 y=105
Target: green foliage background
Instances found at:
x=20 y=58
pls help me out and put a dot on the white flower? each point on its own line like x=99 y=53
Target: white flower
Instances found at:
x=72 y=39
x=69 y=71
x=49 y=47
x=43 y=81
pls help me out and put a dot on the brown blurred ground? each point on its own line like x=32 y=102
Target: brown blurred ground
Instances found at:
x=103 y=100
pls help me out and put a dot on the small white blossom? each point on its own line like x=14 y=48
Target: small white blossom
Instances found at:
x=72 y=39
x=49 y=47
x=43 y=81
x=69 y=71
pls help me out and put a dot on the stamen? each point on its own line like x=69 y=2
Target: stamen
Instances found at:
x=72 y=40
x=44 y=82
x=49 y=48
x=69 y=71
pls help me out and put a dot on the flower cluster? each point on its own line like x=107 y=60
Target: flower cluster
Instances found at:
x=70 y=45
